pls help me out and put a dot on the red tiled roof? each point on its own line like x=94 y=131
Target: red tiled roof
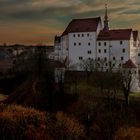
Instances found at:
x=129 y=64
x=135 y=35
x=118 y=34
x=82 y=25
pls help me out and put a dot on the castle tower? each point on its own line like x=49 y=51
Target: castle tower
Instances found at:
x=106 y=27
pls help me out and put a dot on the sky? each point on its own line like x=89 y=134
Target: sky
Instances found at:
x=38 y=21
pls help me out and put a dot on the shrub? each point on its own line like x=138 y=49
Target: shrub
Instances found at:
x=67 y=128
x=127 y=133
x=19 y=123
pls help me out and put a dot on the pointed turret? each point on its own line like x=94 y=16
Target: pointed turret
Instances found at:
x=106 y=27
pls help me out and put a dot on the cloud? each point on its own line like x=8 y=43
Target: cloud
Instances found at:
x=52 y=16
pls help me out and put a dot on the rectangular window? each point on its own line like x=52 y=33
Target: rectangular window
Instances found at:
x=73 y=35
x=138 y=54
x=82 y=35
x=87 y=35
x=104 y=50
x=98 y=58
x=79 y=44
x=104 y=43
x=89 y=44
x=89 y=52
x=99 y=43
x=121 y=42
x=74 y=44
x=99 y=51
x=105 y=58
x=114 y=58
x=122 y=58
x=123 y=50
x=78 y=35
x=80 y=57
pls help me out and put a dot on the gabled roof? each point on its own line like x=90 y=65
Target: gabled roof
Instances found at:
x=82 y=25
x=135 y=35
x=118 y=34
x=129 y=64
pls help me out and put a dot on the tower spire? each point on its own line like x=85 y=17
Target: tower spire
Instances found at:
x=106 y=27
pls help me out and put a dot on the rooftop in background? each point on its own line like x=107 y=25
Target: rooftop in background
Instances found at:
x=129 y=64
x=26 y=46
x=118 y=34
x=82 y=25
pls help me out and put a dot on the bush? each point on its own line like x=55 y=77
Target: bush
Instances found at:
x=127 y=133
x=67 y=128
x=19 y=123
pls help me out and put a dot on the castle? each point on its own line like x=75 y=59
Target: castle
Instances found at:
x=89 y=38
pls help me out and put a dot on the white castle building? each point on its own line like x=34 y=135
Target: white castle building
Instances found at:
x=89 y=38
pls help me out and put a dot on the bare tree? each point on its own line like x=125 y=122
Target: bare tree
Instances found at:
x=126 y=84
x=88 y=66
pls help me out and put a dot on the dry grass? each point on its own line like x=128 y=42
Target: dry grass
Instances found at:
x=3 y=97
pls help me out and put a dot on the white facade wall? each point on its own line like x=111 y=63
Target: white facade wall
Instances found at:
x=138 y=56
x=64 y=46
x=132 y=49
x=115 y=51
x=134 y=85
x=99 y=28
x=82 y=46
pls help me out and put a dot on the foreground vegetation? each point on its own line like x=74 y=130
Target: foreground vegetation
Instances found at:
x=86 y=118
x=19 y=123
x=87 y=106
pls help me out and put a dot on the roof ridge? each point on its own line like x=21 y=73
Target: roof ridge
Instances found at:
x=120 y=29
x=86 y=18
